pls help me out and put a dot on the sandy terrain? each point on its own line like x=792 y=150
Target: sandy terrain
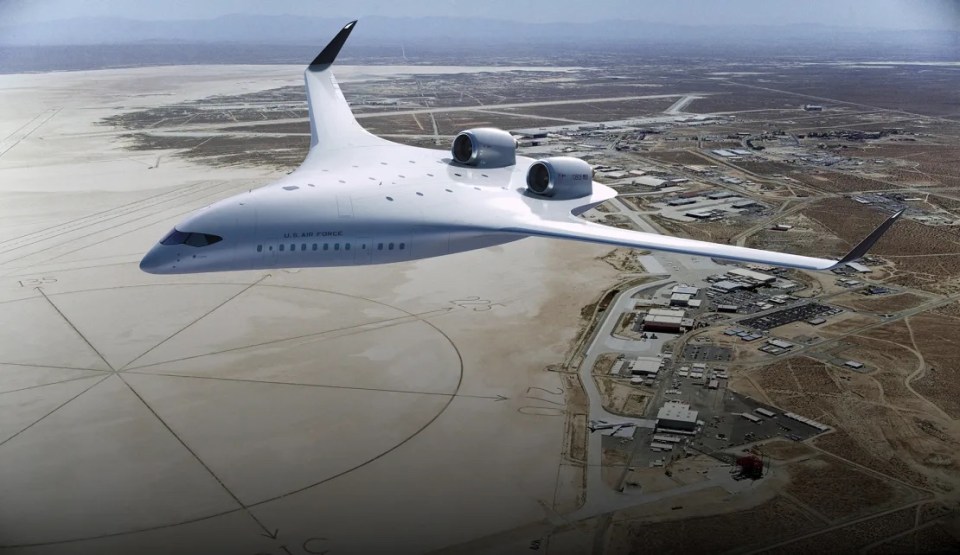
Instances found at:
x=154 y=414
x=837 y=491
x=884 y=304
x=713 y=534
x=784 y=450
x=883 y=421
x=925 y=257
x=856 y=536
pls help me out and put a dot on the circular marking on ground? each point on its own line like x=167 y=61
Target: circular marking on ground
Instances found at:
x=157 y=405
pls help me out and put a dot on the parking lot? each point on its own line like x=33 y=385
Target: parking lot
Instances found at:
x=729 y=428
x=720 y=410
x=789 y=315
x=706 y=353
x=745 y=301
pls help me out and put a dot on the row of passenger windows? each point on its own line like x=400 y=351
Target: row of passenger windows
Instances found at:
x=335 y=247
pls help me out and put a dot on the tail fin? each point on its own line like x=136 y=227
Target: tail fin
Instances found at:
x=332 y=125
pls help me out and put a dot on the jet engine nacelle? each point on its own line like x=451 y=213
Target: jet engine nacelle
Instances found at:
x=560 y=177
x=485 y=147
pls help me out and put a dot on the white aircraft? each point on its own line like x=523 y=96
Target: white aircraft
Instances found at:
x=359 y=199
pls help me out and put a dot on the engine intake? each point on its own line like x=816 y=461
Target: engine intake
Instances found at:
x=485 y=147
x=560 y=177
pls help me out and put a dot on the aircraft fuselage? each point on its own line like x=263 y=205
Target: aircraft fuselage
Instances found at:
x=359 y=210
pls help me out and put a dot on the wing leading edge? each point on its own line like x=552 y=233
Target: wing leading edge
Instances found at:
x=581 y=230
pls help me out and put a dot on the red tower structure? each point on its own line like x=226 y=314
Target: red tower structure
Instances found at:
x=751 y=466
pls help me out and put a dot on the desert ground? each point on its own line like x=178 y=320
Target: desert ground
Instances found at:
x=406 y=406
x=458 y=404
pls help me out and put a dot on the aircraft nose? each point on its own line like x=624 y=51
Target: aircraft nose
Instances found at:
x=156 y=261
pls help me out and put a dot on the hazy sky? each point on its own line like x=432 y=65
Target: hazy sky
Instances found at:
x=883 y=14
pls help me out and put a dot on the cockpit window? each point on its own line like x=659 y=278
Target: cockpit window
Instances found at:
x=177 y=237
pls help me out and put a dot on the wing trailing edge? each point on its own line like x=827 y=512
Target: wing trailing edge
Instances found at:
x=581 y=230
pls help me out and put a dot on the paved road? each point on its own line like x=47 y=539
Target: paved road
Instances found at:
x=678 y=268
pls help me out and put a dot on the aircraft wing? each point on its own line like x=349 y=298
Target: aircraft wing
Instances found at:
x=333 y=129
x=332 y=125
x=582 y=230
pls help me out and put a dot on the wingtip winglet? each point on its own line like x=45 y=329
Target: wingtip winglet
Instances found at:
x=861 y=249
x=329 y=54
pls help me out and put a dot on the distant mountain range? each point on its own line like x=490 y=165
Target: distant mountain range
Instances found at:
x=434 y=31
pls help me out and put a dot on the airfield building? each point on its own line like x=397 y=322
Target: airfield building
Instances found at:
x=666 y=320
x=743 y=273
x=646 y=366
x=675 y=415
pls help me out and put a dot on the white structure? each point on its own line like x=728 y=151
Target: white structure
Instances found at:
x=617 y=367
x=648 y=181
x=806 y=421
x=726 y=286
x=665 y=319
x=679 y=299
x=667 y=438
x=780 y=343
x=646 y=366
x=676 y=415
x=685 y=290
x=699 y=214
x=717 y=195
x=751 y=275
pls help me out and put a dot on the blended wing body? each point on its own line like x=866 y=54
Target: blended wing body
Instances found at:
x=367 y=195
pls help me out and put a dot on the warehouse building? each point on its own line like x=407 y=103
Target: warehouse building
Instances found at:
x=727 y=286
x=700 y=214
x=780 y=343
x=717 y=195
x=649 y=181
x=685 y=290
x=751 y=275
x=674 y=415
x=665 y=319
x=646 y=366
